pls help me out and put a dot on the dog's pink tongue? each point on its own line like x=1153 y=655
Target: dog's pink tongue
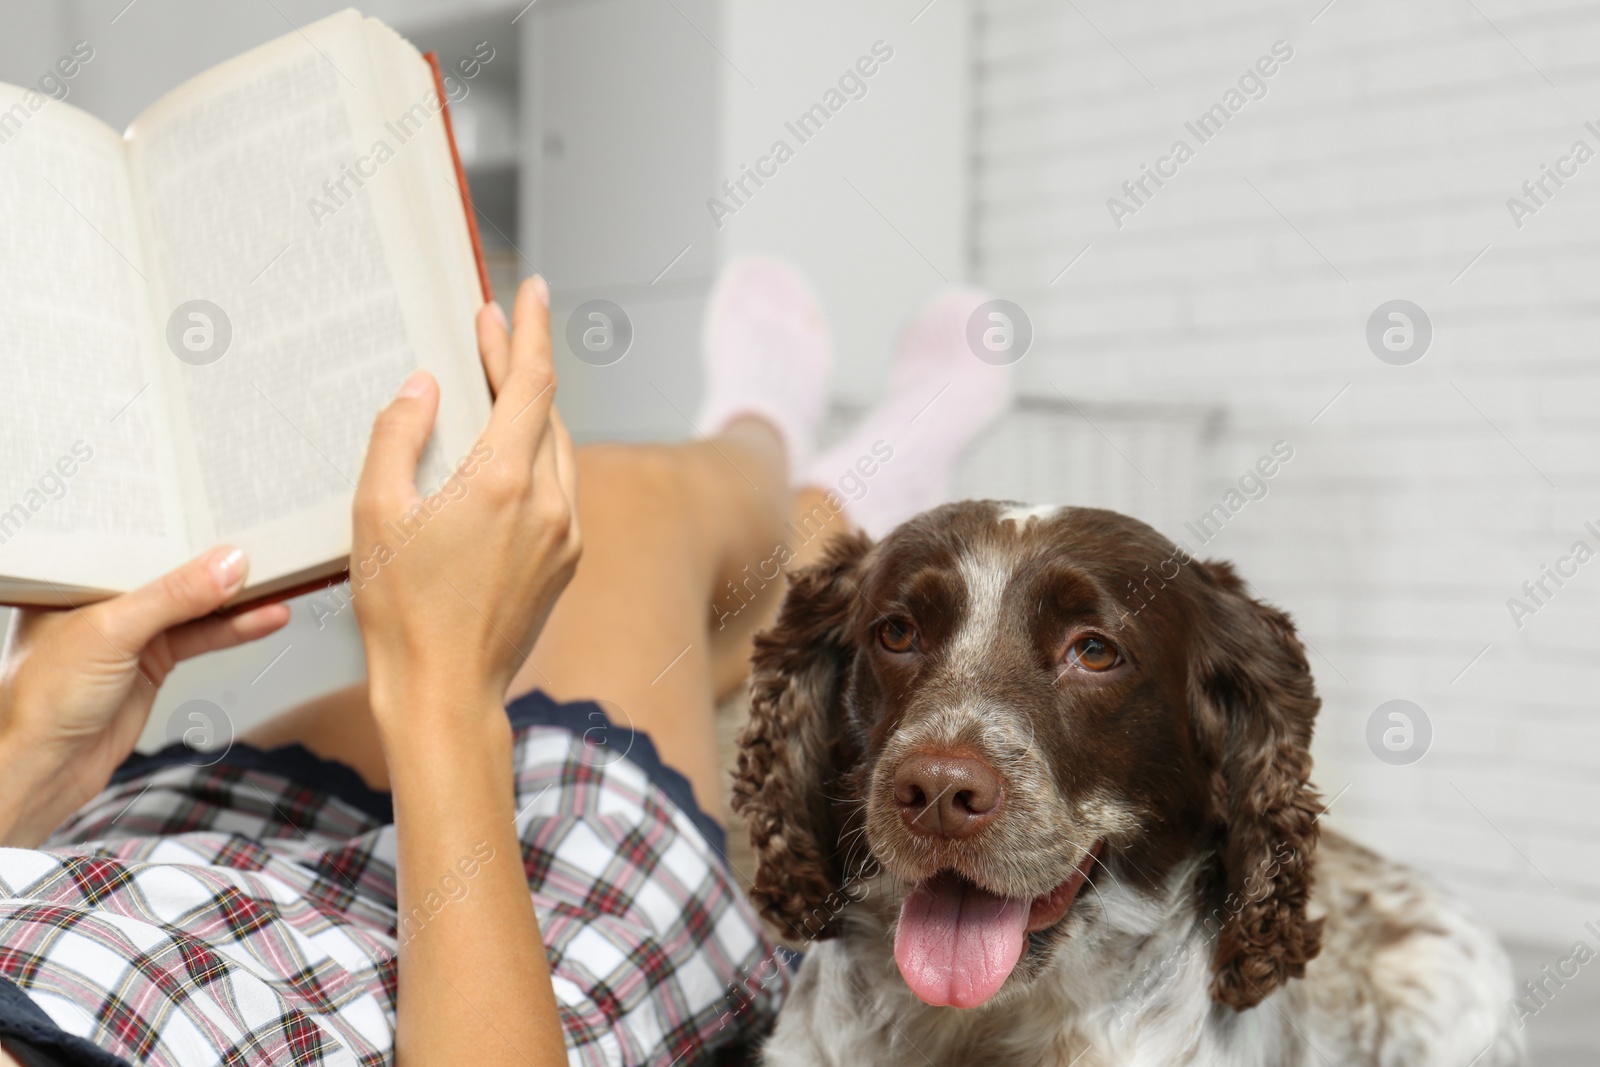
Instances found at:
x=956 y=943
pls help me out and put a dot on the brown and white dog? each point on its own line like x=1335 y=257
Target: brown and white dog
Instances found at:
x=1031 y=786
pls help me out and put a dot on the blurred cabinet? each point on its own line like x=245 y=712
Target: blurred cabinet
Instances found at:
x=619 y=126
x=590 y=141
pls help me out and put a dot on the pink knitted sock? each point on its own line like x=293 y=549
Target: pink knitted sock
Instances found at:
x=767 y=353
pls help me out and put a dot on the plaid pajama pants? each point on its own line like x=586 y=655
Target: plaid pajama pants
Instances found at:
x=245 y=912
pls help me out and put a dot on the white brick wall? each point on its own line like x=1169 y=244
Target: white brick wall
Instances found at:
x=1389 y=144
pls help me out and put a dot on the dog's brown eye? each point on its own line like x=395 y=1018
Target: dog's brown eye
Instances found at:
x=898 y=635
x=1093 y=654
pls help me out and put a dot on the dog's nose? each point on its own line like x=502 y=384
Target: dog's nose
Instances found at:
x=946 y=795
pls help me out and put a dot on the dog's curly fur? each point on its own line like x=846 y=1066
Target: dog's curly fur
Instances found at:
x=786 y=752
x=1254 y=703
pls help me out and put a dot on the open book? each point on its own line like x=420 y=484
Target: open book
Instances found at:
x=199 y=318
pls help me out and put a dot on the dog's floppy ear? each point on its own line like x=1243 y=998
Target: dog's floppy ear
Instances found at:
x=1254 y=706
x=789 y=758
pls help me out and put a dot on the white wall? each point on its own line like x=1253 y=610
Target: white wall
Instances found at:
x=1377 y=166
x=31 y=40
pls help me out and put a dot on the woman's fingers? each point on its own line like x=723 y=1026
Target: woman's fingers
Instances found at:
x=530 y=316
x=494 y=344
x=389 y=475
x=211 y=635
x=522 y=409
x=199 y=587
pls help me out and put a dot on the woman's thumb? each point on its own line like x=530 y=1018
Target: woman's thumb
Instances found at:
x=388 y=477
x=197 y=588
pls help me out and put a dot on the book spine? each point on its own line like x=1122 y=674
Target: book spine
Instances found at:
x=461 y=177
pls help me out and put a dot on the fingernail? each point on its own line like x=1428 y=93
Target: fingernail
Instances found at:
x=415 y=385
x=541 y=289
x=228 y=569
x=498 y=312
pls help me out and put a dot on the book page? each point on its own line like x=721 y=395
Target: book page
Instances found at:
x=255 y=225
x=436 y=252
x=88 y=488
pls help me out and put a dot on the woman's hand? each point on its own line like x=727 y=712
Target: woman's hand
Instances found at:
x=454 y=588
x=76 y=686
x=451 y=592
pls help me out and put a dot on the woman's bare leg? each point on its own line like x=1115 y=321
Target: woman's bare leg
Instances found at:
x=336 y=725
x=740 y=614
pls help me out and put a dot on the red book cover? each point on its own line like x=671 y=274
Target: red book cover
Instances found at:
x=461 y=176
